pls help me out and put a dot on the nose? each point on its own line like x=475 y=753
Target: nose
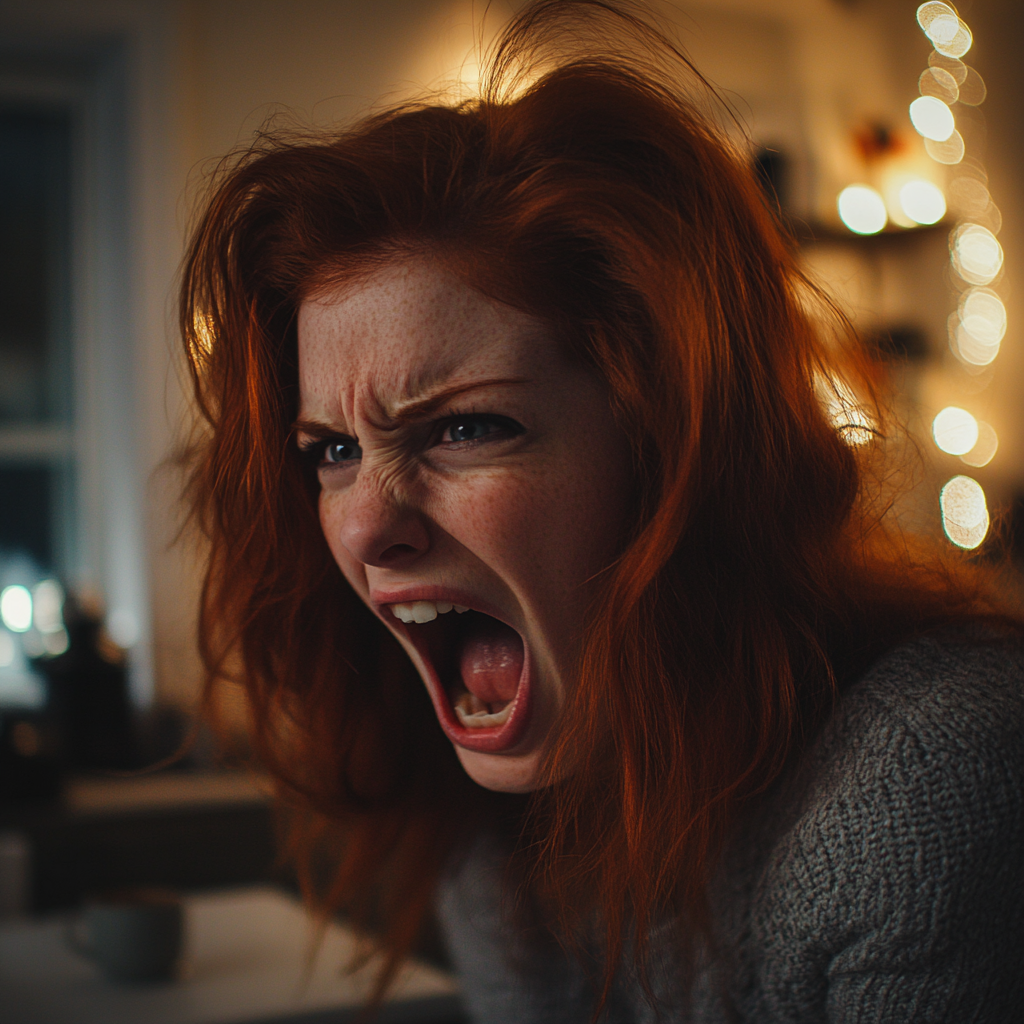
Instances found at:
x=377 y=527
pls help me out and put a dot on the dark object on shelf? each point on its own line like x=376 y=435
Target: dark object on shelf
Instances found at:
x=772 y=169
x=900 y=342
x=892 y=236
x=89 y=695
x=30 y=757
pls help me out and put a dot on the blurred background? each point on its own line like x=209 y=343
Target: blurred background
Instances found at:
x=889 y=135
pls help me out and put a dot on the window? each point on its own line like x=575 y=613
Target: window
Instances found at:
x=70 y=484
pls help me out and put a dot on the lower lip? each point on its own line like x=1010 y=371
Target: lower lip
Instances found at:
x=496 y=739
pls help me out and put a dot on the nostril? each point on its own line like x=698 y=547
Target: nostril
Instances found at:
x=397 y=552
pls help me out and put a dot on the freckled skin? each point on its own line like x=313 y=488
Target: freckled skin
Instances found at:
x=524 y=520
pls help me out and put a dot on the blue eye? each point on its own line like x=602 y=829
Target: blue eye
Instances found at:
x=475 y=428
x=341 y=451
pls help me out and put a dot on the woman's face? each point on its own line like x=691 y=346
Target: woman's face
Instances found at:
x=473 y=483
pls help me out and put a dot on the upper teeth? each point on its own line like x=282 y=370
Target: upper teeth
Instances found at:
x=425 y=611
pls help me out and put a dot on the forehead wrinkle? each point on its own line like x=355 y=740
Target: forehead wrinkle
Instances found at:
x=380 y=321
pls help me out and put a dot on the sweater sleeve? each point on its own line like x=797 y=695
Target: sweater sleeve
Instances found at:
x=898 y=895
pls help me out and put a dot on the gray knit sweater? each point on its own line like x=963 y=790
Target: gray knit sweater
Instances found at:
x=885 y=883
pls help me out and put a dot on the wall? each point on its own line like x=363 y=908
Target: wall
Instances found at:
x=206 y=74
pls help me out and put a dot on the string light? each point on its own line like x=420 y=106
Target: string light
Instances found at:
x=923 y=202
x=964 y=511
x=862 y=209
x=978 y=327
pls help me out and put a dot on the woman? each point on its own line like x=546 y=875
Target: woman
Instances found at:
x=552 y=584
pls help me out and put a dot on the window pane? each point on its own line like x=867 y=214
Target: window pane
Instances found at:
x=25 y=521
x=35 y=150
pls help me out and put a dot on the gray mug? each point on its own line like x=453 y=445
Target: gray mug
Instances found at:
x=132 y=936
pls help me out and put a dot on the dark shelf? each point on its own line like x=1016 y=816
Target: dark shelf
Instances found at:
x=805 y=232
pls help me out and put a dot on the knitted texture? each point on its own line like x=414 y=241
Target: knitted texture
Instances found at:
x=883 y=883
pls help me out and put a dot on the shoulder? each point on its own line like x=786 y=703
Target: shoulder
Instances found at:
x=899 y=878
x=966 y=689
x=938 y=721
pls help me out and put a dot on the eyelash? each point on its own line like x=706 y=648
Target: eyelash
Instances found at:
x=313 y=452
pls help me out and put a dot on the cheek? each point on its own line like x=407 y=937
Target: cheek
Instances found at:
x=555 y=527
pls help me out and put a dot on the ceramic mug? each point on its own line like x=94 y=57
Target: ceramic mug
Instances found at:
x=132 y=936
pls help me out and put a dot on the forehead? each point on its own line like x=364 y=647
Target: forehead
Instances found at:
x=404 y=330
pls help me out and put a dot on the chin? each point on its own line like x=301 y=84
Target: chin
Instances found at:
x=519 y=773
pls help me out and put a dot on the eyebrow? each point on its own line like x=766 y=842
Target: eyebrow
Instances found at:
x=415 y=409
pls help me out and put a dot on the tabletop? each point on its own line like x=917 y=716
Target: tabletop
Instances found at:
x=251 y=957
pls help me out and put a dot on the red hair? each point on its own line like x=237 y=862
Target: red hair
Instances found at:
x=760 y=577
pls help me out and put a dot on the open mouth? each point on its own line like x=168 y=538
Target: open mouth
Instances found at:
x=477 y=667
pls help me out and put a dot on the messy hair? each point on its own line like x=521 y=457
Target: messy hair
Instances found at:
x=594 y=188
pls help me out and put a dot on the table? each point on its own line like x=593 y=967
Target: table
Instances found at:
x=246 y=961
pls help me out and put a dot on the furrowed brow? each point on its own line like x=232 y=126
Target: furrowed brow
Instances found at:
x=415 y=409
x=316 y=429
x=420 y=407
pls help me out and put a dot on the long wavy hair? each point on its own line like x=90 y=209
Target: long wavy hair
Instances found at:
x=598 y=192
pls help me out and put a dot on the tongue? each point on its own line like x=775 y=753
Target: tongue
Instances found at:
x=491 y=662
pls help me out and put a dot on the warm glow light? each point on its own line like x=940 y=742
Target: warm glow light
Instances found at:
x=967 y=347
x=983 y=315
x=957 y=68
x=976 y=254
x=927 y=13
x=846 y=414
x=16 y=608
x=948 y=33
x=932 y=118
x=955 y=430
x=922 y=201
x=984 y=451
x=964 y=511
x=960 y=43
x=949 y=152
x=969 y=195
x=973 y=89
x=862 y=209
x=939 y=83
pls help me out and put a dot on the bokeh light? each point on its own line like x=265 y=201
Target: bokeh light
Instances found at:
x=47 y=606
x=949 y=152
x=983 y=315
x=957 y=68
x=944 y=27
x=922 y=201
x=16 y=608
x=976 y=254
x=964 y=511
x=984 y=451
x=939 y=83
x=862 y=209
x=932 y=118
x=969 y=195
x=972 y=89
x=955 y=430
x=123 y=626
x=968 y=348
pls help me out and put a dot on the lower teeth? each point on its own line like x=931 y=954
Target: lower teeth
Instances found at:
x=473 y=713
